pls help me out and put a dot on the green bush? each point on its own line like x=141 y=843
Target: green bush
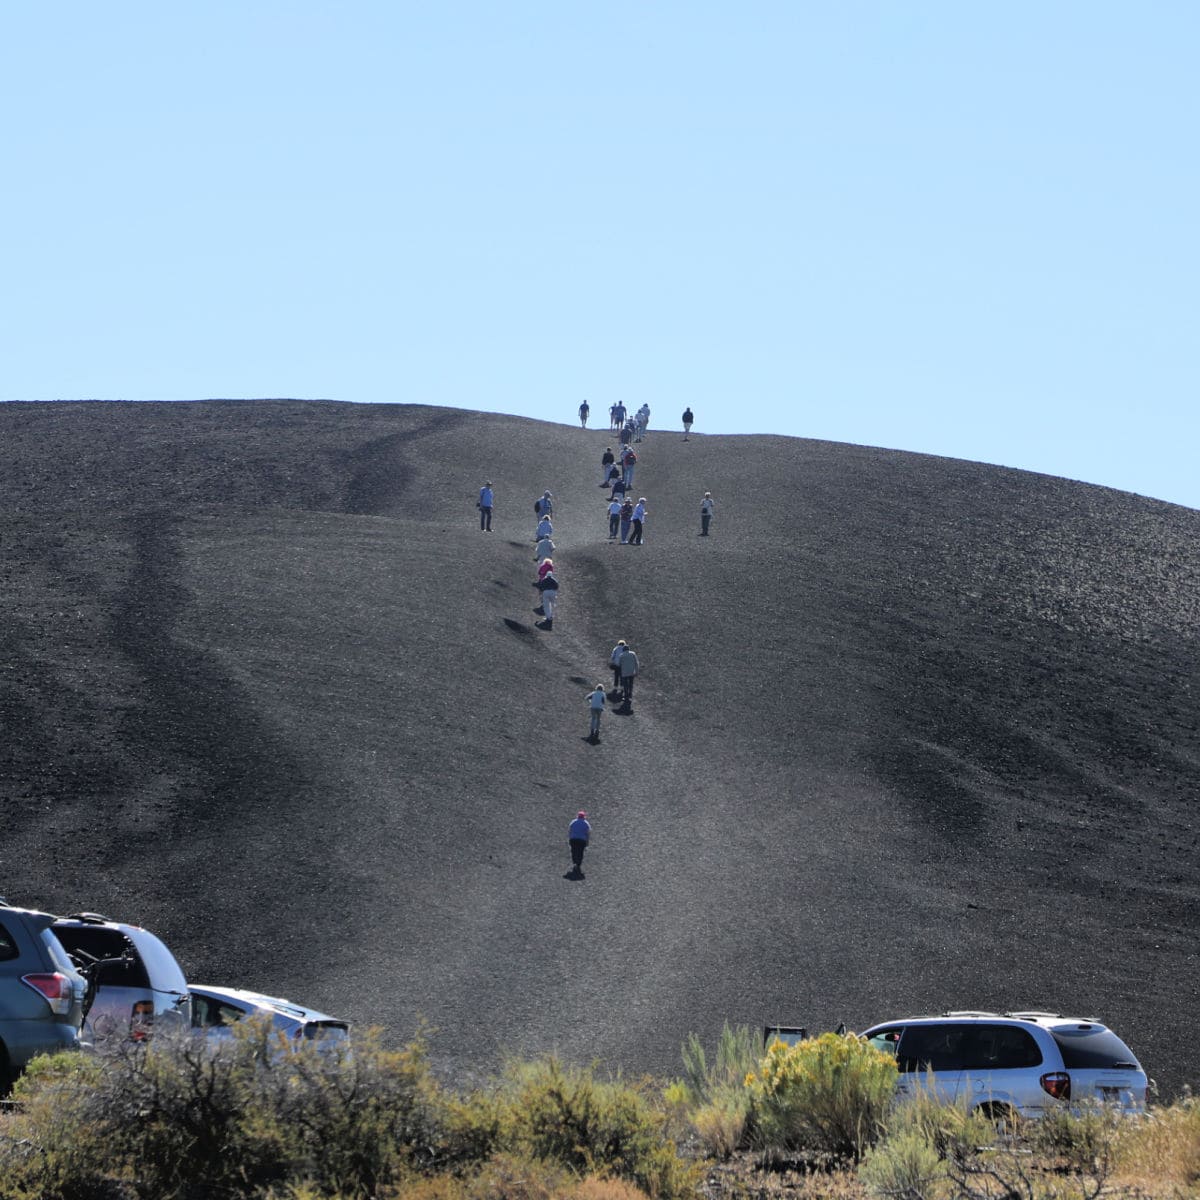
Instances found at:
x=902 y=1167
x=827 y=1095
x=565 y=1114
x=179 y=1120
x=713 y=1097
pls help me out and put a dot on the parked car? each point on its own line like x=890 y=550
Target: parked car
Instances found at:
x=1017 y=1063
x=140 y=986
x=41 y=993
x=215 y=1010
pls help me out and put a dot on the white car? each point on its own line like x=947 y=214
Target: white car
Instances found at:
x=138 y=985
x=1013 y=1064
x=215 y=1010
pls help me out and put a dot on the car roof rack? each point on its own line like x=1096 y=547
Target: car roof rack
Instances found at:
x=969 y=1012
x=89 y=918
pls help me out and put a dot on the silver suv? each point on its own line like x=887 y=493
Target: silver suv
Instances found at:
x=139 y=985
x=1017 y=1063
x=41 y=993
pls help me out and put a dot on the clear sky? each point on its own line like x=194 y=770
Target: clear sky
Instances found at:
x=960 y=228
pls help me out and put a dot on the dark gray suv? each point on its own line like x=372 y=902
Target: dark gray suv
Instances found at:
x=41 y=993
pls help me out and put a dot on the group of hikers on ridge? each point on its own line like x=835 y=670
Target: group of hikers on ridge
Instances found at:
x=626 y=521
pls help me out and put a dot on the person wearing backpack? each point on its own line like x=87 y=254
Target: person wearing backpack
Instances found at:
x=687 y=422
x=628 y=462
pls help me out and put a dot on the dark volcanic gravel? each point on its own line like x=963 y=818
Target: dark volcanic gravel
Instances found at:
x=912 y=733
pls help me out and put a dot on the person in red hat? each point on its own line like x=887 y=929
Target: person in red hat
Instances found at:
x=578 y=836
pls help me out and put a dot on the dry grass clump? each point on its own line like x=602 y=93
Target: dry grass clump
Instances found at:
x=1162 y=1151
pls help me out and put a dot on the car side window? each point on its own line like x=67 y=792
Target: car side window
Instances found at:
x=208 y=1013
x=887 y=1040
x=1000 y=1048
x=932 y=1047
x=8 y=948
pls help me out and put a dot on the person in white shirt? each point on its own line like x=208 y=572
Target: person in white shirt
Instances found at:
x=595 y=699
x=614 y=519
x=706 y=513
x=639 y=518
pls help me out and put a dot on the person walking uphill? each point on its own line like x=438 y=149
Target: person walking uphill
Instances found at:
x=595 y=699
x=629 y=670
x=487 y=499
x=626 y=520
x=638 y=519
x=706 y=513
x=583 y=414
x=548 y=586
x=614 y=661
x=687 y=422
x=579 y=833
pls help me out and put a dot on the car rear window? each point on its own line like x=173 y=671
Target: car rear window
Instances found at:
x=1092 y=1047
x=99 y=942
x=8 y=948
x=326 y=1031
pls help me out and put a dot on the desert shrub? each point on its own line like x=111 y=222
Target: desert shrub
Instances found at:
x=919 y=1137
x=905 y=1166
x=712 y=1097
x=566 y=1115
x=180 y=1120
x=827 y=1095
x=1163 y=1147
x=1079 y=1142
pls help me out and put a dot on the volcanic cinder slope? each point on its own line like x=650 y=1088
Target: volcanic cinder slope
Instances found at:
x=912 y=733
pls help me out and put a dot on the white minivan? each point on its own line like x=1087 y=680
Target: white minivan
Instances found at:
x=1013 y=1064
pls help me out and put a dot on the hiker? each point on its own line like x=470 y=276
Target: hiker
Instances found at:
x=614 y=662
x=618 y=487
x=578 y=836
x=614 y=518
x=612 y=417
x=629 y=670
x=626 y=520
x=628 y=462
x=595 y=699
x=543 y=506
x=548 y=586
x=620 y=413
x=583 y=414
x=545 y=549
x=547 y=564
x=606 y=462
x=687 y=422
x=706 y=513
x=486 y=500
x=638 y=519
x=544 y=530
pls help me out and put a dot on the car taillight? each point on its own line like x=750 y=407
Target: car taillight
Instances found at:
x=141 y=1020
x=1057 y=1084
x=54 y=988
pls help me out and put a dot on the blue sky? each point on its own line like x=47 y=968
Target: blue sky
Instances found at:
x=958 y=228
